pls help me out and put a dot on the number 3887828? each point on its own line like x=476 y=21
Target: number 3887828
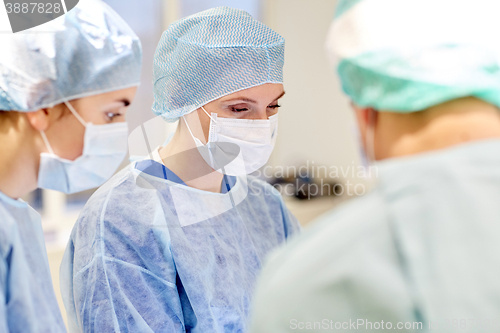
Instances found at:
x=33 y=7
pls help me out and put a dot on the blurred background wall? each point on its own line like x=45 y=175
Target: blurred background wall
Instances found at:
x=315 y=122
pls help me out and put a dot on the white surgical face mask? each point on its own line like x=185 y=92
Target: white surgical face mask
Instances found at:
x=104 y=148
x=238 y=146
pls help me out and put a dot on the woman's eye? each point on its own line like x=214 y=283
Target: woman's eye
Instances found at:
x=112 y=115
x=274 y=106
x=238 y=109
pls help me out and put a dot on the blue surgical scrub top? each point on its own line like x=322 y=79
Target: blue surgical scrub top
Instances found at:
x=422 y=247
x=27 y=300
x=150 y=254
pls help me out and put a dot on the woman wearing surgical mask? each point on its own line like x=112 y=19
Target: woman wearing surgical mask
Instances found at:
x=175 y=242
x=63 y=95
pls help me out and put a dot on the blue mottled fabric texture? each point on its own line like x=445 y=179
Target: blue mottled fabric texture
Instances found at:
x=89 y=50
x=27 y=300
x=150 y=255
x=421 y=247
x=212 y=54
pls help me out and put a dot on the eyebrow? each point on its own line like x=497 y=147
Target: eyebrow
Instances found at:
x=125 y=101
x=250 y=100
x=114 y=104
x=281 y=95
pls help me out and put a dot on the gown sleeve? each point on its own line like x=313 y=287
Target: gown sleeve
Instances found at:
x=291 y=224
x=114 y=296
x=117 y=273
x=3 y=294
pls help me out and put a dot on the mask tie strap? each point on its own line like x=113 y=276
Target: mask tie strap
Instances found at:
x=47 y=144
x=194 y=139
x=187 y=125
x=73 y=111
x=209 y=116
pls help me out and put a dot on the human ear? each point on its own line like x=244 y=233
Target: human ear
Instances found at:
x=366 y=118
x=361 y=115
x=42 y=119
x=39 y=119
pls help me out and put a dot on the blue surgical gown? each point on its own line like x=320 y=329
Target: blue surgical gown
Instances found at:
x=150 y=254
x=423 y=246
x=27 y=300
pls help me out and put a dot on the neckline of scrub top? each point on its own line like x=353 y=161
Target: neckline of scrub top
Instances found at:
x=480 y=152
x=154 y=167
x=13 y=202
x=472 y=147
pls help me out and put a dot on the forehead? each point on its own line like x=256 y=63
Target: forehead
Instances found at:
x=266 y=91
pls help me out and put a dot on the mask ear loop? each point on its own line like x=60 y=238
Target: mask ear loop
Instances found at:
x=210 y=146
x=47 y=144
x=209 y=116
x=187 y=125
x=221 y=168
x=212 y=119
x=73 y=111
x=194 y=138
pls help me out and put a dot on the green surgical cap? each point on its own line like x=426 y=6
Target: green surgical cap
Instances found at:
x=406 y=55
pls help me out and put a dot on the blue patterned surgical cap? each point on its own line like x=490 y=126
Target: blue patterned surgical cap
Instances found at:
x=210 y=55
x=88 y=51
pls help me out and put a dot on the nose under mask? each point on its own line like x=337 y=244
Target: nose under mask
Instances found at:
x=237 y=146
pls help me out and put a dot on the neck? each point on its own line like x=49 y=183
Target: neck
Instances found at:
x=449 y=124
x=181 y=156
x=19 y=159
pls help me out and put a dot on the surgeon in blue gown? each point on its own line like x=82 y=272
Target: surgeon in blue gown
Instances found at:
x=174 y=242
x=65 y=87
x=420 y=252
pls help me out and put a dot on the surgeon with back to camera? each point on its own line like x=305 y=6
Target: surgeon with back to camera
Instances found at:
x=64 y=93
x=421 y=251
x=174 y=242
